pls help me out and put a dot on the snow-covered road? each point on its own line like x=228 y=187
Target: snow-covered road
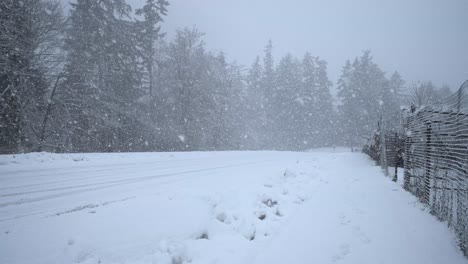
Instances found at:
x=212 y=207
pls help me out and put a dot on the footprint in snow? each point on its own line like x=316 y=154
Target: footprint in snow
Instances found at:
x=344 y=220
x=358 y=211
x=343 y=250
x=361 y=235
x=221 y=217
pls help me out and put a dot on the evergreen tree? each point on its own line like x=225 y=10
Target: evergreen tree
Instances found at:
x=28 y=42
x=311 y=111
x=319 y=109
x=100 y=76
x=324 y=104
x=366 y=97
x=287 y=105
x=393 y=99
x=149 y=32
x=268 y=88
x=256 y=106
x=149 y=40
x=186 y=69
x=228 y=122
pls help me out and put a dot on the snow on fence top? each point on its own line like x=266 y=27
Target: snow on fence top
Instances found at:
x=436 y=160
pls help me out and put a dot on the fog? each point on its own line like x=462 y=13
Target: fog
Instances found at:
x=422 y=39
x=121 y=119
x=172 y=75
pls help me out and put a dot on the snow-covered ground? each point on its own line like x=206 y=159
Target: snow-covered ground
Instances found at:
x=327 y=206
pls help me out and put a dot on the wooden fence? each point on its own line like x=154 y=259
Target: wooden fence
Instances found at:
x=436 y=160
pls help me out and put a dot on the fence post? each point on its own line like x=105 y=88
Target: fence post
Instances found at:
x=428 y=165
x=383 y=149
x=397 y=152
x=407 y=154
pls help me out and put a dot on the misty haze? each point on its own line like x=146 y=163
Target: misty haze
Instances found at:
x=249 y=131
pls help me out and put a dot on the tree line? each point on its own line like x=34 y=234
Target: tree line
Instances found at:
x=104 y=78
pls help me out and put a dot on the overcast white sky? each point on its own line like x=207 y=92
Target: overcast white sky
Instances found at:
x=422 y=39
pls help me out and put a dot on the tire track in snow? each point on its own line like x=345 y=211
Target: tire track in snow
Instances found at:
x=110 y=184
x=86 y=169
x=79 y=177
x=76 y=175
x=55 y=210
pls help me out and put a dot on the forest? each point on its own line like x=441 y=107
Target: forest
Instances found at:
x=102 y=77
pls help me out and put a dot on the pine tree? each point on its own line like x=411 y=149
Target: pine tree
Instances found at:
x=311 y=111
x=256 y=107
x=393 y=98
x=100 y=76
x=287 y=105
x=15 y=62
x=324 y=104
x=318 y=101
x=268 y=88
x=365 y=94
x=346 y=96
x=187 y=68
x=239 y=109
x=28 y=42
x=149 y=32
x=149 y=40
x=225 y=89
